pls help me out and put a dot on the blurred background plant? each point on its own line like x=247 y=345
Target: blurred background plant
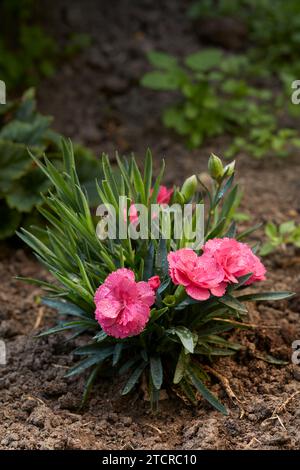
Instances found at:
x=22 y=184
x=216 y=97
x=27 y=52
x=279 y=236
x=271 y=29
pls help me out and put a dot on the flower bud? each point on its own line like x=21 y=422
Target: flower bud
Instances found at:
x=170 y=301
x=189 y=188
x=215 y=167
x=178 y=198
x=179 y=294
x=229 y=169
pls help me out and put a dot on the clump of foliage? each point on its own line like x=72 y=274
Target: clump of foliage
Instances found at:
x=215 y=98
x=26 y=51
x=272 y=28
x=279 y=236
x=266 y=140
x=152 y=319
x=22 y=184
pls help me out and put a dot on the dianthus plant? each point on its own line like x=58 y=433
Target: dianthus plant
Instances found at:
x=157 y=308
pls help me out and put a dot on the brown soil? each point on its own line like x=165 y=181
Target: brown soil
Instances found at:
x=97 y=99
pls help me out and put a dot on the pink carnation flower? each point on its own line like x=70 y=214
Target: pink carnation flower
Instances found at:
x=122 y=304
x=154 y=282
x=237 y=259
x=133 y=214
x=164 y=195
x=200 y=275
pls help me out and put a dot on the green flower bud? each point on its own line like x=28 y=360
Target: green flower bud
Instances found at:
x=229 y=169
x=189 y=188
x=169 y=301
x=179 y=294
x=215 y=167
x=179 y=198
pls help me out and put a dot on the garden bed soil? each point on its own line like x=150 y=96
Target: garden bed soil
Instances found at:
x=96 y=99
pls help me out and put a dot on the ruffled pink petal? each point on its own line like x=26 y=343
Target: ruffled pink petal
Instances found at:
x=181 y=278
x=116 y=277
x=131 y=322
x=220 y=290
x=146 y=293
x=197 y=293
x=108 y=308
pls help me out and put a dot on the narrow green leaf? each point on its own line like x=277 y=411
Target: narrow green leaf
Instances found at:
x=203 y=390
x=217 y=231
x=222 y=191
x=266 y=296
x=89 y=384
x=271 y=360
x=180 y=368
x=185 y=335
x=101 y=336
x=188 y=391
x=82 y=366
x=156 y=371
x=248 y=232
x=155 y=314
x=138 y=182
x=231 y=232
x=229 y=202
x=63 y=327
x=95 y=349
x=149 y=262
x=134 y=378
x=233 y=303
x=117 y=353
x=63 y=307
x=241 y=282
x=148 y=174
x=161 y=258
x=154 y=195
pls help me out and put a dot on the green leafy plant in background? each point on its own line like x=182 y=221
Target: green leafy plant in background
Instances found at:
x=212 y=101
x=182 y=334
x=22 y=184
x=26 y=51
x=265 y=141
x=215 y=98
x=279 y=236
x=271 y=26
x=77 y=42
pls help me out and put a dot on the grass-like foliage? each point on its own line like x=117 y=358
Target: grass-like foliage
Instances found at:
x=165 y=309
x=22 y=183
